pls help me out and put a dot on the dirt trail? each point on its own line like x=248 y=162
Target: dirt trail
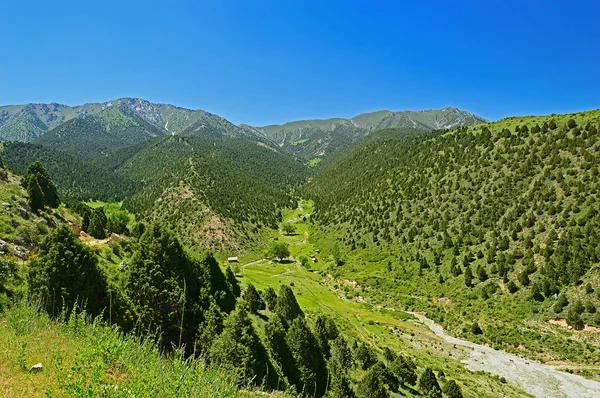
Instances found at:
x=533 y=377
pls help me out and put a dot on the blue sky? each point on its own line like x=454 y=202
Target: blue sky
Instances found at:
x=263 y=62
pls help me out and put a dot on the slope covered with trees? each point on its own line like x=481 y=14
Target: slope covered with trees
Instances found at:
x=76 y=179
x=500 y=220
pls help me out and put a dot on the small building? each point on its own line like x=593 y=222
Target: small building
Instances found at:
x=314 y=259
x=232 y=259
x=317 y=251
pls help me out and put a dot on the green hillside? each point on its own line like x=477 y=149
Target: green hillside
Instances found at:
x=493 y=225
x=77 y=179
x=318 y=138
x=218 y=194
x=90 y=136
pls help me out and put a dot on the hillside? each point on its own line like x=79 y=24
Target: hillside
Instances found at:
x=125 y=120
x=90 y=136
x=77 y=179
x=318 y=138
x=490 y=225
x=218 y=194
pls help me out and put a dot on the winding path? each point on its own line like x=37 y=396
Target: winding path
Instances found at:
x=533 y=377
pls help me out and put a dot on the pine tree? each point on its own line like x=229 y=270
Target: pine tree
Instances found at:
x=36 y=196
x=405 y=370
x=452 y=390
x=37 y=172
x=97 y=226
x=210 y=328
x=287 y=306
x=339 y=385
x=428 y=384
x=270 y=298
x=341 y=353
x=239 y=350
x=325 y=331
x=365 y=356
x=372 y=386
x=170 y=288
x=234 y=286
x=66 y=273
x=275 y=333
x=468 y=277
x=253 y=299
x=309 y=358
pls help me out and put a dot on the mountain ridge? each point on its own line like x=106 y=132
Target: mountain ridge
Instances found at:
x=307 y=139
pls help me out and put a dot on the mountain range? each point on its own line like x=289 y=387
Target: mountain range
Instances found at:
x=94 y=129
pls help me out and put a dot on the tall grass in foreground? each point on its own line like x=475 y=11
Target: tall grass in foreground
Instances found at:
x=89 y=358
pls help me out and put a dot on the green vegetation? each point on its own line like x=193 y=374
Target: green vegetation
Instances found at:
x=490 y=230
x=507 y=209
x=313 y=139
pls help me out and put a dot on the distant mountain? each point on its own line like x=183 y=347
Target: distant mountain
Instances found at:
x=94 y=129
x=28 y=122
x=317 y=138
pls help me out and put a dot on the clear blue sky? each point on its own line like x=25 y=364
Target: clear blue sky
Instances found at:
x=262 y=62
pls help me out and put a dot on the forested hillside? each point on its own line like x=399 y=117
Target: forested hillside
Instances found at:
x=312 y=139
x=76 y=179
x=212 y=192
x=90 y=136
x=494 y=223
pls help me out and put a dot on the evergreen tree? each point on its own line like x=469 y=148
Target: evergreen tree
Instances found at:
x=309 y=358
x=405 y=370
x=372 y=386
x=387 y=376
x=452 y=390
x=37 y=172
x=66 y=273
x=468 y=277
x=325 y=331
x=339 y=384
x=253 y=299
x=365 y=356
x=234 y=286
x=36 y=196
x=561 y=303
x=2 y=163
x=170 y=288
x=287 y=306
x=428 y=384
x=275 y=333
x=97 y=226
x=210 y=328
x=239 y=350
x=270 y=298
x=340 y=353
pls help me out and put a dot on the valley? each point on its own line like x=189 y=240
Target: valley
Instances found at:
x=464 y=259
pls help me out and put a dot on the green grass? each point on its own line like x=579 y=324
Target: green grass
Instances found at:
x=318 y=292
x=91 y=359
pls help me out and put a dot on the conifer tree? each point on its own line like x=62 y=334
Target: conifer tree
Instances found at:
x=308 y=356
x=234 y=286
x=239 y=349
x=66 y=273
x=287 y=306
x=253 y=299
x=372 y=386
x=36 y=196
x=341 y=353
x=428 y=384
